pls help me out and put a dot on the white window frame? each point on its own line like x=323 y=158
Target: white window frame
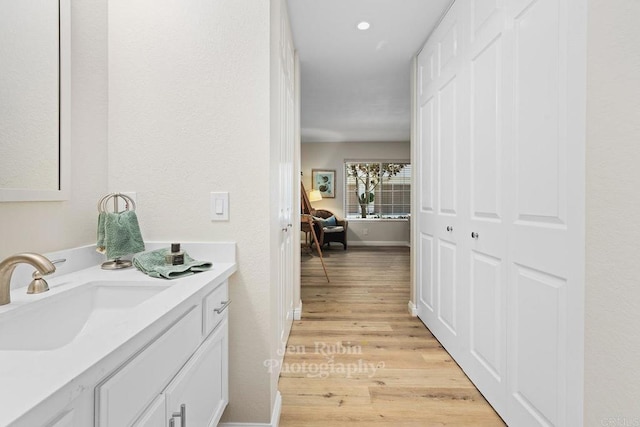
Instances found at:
x=375 y=216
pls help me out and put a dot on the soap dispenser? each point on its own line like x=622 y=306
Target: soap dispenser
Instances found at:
x=176 y=257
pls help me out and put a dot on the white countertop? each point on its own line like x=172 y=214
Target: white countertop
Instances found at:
x=28 y=378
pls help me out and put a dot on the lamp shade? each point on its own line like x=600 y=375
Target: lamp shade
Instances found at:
x=315 y=195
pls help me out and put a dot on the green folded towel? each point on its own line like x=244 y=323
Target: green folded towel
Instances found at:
x=152 y=263
x=119 y=234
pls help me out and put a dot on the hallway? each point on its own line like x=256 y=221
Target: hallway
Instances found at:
x=358 y=358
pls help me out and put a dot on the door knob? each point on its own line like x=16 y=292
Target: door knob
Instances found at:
x=449 y=228
x=474 y=235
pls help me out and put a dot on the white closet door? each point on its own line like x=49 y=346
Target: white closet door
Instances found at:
x=425 y=216
x=441 y=111
x=500 y=145
x=488 y=214
x=545 y=287
x=286 y=179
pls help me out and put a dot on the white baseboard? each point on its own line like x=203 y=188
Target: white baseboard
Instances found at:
x=413 y=310
x=277 y=409
x=297 y=312
x=275 y=416
x=378 y=243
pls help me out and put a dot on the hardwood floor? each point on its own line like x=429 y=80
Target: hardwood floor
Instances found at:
x=358 y=358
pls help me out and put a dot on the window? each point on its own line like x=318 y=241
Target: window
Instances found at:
x=377 y=189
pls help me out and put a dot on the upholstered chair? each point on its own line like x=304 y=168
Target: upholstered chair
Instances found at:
x=327 y=232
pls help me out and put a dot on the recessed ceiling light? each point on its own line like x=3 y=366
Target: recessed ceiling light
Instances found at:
x=364 y=25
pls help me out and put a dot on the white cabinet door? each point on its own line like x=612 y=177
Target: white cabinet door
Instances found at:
x=202 y=385
x=123 y=397
x=154 y=416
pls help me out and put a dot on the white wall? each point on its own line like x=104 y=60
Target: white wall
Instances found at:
x=331 y=155
x=189 y=113
x=391 y=232
x=50 y=226
x=612 y=323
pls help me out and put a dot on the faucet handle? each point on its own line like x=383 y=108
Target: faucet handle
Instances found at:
x=38 y=284
x=58 y=261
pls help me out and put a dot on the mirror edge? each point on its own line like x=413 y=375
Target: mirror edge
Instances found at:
x=64 y=192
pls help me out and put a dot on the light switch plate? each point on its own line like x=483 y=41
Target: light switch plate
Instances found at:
x=219 y=206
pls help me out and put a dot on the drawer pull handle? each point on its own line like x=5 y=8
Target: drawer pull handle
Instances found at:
x=223 y=307
x=182 y=415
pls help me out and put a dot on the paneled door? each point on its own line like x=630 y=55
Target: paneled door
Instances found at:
x=546 y=228
x=500 y=186
x=488 y=165
x=442 y=199
x=286 y=111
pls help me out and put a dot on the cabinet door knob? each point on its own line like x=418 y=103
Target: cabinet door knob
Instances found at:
x=474 y=235
x=449 y=228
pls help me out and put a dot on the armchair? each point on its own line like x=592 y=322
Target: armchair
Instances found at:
x=328 y=234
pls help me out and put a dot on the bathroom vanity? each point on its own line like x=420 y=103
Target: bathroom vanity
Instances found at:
x=118 y=348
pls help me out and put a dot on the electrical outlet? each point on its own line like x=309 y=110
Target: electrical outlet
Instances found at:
x=365 y=231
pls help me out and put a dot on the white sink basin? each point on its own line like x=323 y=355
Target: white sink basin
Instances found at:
x=56 y=320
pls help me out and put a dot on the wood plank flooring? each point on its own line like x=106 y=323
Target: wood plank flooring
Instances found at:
x=357 y=358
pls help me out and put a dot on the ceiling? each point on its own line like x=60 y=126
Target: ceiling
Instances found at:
x=355 y=85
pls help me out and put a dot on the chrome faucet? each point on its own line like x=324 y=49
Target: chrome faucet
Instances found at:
x=40 y=262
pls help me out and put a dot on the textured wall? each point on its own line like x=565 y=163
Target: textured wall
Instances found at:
x=50 y=226
x=189 y=114
x=612 y=334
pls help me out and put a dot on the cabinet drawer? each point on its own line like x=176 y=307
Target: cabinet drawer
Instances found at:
x=122 y=397
x=215 y=307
